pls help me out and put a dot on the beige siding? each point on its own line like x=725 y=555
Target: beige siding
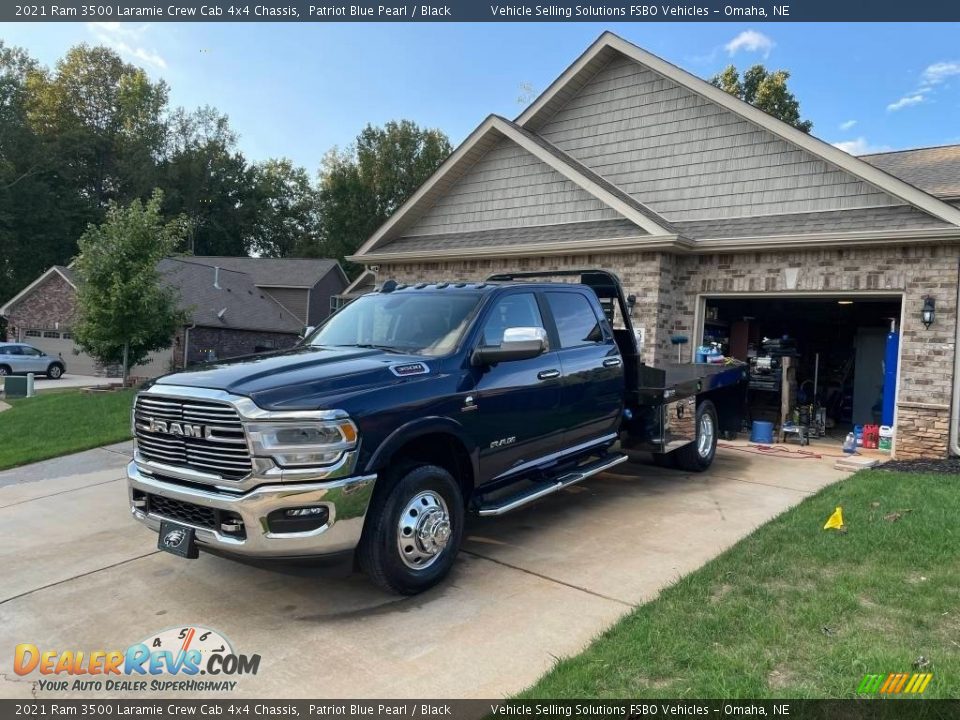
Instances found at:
x=293 y=299
x=509 y=188
x=690 y=159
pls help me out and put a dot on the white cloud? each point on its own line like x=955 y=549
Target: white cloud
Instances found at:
x=751 y=41
x=860 y=146
x=906 y=101
x=939 y=71
x=125 y=39
x=848 y=124
x=932 y=76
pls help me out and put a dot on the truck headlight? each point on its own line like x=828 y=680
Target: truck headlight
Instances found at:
x=302 y=444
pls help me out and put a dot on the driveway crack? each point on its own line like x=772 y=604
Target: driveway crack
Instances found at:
x=550 y=579
x=77 y=577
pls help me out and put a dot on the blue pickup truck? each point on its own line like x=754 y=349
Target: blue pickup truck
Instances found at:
x=407 y=409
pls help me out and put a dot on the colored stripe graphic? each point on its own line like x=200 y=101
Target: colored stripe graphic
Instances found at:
x=895 y=683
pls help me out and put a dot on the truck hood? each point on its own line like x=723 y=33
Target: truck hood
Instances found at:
x=304 y=377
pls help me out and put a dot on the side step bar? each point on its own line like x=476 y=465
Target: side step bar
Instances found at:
x=572 y=478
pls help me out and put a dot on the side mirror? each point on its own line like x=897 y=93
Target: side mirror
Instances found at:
x=307 y=329
x=519 y=343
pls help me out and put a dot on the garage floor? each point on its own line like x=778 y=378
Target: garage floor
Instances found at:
x=528 y=588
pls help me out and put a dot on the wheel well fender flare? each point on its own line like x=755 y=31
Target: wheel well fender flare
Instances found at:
x=418 y=428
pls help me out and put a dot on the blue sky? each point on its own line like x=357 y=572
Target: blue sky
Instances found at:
x=296 y=90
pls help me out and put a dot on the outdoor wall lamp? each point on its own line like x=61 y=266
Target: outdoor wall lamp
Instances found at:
x=928 y=313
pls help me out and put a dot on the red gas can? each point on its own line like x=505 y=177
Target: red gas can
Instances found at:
x=871 y=436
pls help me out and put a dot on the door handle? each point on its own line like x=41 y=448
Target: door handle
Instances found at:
x=612 y=362
x=548 y=374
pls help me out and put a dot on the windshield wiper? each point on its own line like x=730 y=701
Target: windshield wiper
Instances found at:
x=371 y=346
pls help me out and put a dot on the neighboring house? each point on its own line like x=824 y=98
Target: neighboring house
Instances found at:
x=232 y=305
x=725 y=222
x=305 y=286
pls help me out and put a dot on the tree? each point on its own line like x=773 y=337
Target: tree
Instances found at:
x=286 y=222
x=126 y=310
x=766 y=91
x=206 y=179
x=362 y=187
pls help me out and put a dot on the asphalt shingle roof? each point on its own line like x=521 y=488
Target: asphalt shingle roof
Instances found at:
x=247 y=306
x=935 y=170
x=273 y=272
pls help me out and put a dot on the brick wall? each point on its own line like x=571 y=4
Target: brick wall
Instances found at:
x=49 y=306
x=667 y=287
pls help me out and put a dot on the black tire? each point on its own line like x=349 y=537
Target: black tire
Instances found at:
x=55 y=371
x=698 y=456
x=381 y=554
x=5 y=370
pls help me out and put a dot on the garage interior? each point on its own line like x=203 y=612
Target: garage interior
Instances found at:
x=835 y=350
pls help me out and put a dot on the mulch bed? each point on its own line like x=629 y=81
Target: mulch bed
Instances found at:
x=949 y=466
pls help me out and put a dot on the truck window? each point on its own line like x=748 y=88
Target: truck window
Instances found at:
x=422 y=323
x=577 y=323
x=518 y=310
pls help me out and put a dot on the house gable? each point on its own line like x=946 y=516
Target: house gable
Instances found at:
x=711 y=110
x=691 y=159
x=510 y=188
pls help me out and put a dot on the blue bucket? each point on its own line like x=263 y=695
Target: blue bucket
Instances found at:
x=762 y=432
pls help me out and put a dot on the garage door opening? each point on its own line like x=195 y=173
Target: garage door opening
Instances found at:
x=837 y=347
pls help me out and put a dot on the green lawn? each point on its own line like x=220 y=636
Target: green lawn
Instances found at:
x=56 y=423
x=794 y=611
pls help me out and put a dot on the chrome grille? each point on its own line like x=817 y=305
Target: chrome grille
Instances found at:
x=223 y=452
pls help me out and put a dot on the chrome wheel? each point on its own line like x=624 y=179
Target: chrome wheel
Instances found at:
x=705 y=435
x=424 y=530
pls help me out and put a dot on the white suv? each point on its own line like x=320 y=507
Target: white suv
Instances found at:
x=22 y=358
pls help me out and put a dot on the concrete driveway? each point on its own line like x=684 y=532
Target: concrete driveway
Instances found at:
x=528 y=588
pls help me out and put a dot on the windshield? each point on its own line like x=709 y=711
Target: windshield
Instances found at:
x=419 y=323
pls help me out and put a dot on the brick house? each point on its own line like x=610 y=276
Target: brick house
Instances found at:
x=236 y=306
x=727 y=224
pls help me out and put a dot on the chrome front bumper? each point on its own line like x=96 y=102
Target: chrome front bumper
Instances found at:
x=346 y=500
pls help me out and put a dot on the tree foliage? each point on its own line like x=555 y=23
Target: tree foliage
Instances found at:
x=362 y=187
x=764 y=90
x=125 y=308
x=95 y=132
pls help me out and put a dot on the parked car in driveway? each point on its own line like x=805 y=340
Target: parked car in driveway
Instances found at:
x=18 y=358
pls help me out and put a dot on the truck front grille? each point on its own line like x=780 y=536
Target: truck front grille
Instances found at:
x=182 y=511
x=202 y=435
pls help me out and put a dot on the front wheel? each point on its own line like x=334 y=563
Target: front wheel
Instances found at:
x=698 y=455
x=55 y=371
x=4 y=371
x=413 y=530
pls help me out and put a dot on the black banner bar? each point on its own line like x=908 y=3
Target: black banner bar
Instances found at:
x=481 y=11
x=224 y=708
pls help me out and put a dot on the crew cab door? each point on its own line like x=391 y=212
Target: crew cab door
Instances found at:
x=592 y=392
x=516 y=402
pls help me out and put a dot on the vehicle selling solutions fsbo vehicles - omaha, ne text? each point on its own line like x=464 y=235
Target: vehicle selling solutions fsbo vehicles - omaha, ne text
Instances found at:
x=407 y=409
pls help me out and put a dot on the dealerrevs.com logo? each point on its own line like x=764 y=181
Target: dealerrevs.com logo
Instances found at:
x=171 y=660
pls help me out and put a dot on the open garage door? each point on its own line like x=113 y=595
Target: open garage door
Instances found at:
x=836 y=345
x=55 y=343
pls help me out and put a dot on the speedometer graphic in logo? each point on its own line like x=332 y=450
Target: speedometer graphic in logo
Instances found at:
x=191 y=637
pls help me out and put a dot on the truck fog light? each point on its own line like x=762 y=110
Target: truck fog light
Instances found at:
x=298 y=519
x=304 y=511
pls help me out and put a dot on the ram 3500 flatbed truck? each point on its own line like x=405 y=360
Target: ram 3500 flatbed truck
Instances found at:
x=407 y=409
